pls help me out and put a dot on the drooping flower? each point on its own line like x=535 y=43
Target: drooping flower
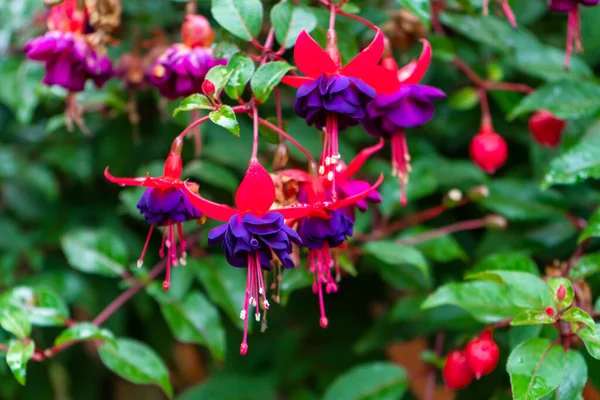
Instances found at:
x=402 y=103
x=488 y=149
x=181 y=69
x=69 y=59
x=546 y=129
x=253 y=233
x=165 y=204
x=574 y=38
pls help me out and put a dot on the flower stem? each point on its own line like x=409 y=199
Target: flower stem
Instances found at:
x=255 y=133
x=446 y=230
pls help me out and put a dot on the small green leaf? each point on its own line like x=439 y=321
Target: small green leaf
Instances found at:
x=42 y=305
x=95 y=252
x=420 y=8
x=578 y=315
x=554 y=284
x=15 y=321
x=377 y=380
x=289 y=20
x=587 y=265
x=194 y=102
x=219 y=76
x=592 y=228
x=464 y=99
x=591 y=339
x=524 y=290
x=17 y=357
x=137 y=363
x=532 y=317
x=507 y=262
x=268 y=76
x=576 y=376
x=85 y=331
x=243 y=18
x=536 y=368
x=242 y=68
x=225 y=117
x=401 y=263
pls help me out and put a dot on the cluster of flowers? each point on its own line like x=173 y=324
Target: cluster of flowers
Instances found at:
x=479 y=358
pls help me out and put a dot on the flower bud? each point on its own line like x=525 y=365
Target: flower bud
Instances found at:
x=196 y=31
x=561 y=292
x=282 y=156
x=546 y=129
x=456 y=372
x=550 y=311
x=495 y=222
x=208 y=88
x=452 y=198
x=478 y=193
x=488 y=151
x=482 y=355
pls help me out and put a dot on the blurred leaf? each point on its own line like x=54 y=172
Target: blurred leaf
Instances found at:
x=524 y=290
x=42 y=305
x=225 y=117
x=243 y=18
x=376 y=380
x=554 y=284
x=407 y=308
x=268 y=76
x=579 y=316
x=586 y=266
x=95 y=252
x=536 y=368
x=576 y=376
x=212 y=174
x=592 y=228
x=442 y=249
x=19 y=92
x=532 y=317
x=486 y=301
x=18 y=355
x=242 y=68
x=420 y=8
x=15 y=321
x=231 y=387
x=401 y=263
x=269 y=134
x=464 y=99
x=288 y=20
x=591 y=339
x=546 y=62
x=194 y=102
x=442 y=48
x=507 y=262
x=294 y=279
x=137 y=363
x=82 y=331
x=519 y=334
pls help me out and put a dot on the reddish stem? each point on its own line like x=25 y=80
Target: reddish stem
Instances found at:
x=255 y=133
x=487 y=84
x=486 y=116
x=446 y=230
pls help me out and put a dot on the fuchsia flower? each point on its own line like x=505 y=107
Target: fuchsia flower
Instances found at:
x=181 y=69
x=69 y=59
x=165 y=204
x=399 y=104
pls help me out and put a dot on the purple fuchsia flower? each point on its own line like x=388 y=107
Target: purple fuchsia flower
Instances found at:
x=69 y=59
x=402 y=103
x=181 y=69
x=253 y=233
x=164 y=203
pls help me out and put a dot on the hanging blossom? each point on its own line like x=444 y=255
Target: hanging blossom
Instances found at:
x=332 y=97
x=574 y=38
x=252 y=234
x=401 y=103
x=69 y=59
x=165 y=204
x=181 y=69
x=324 y=236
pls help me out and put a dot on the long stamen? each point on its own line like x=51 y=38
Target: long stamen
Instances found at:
x=141 y=259
x=182 y=245
x=161 y=252
x=172 y=245
x=401 y=163
x=244 y=312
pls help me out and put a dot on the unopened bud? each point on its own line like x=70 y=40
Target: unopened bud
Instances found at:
x=495 y=222
x=561 y=292
x=196 y=31
x=452 y=198
x=313 y=168
x=282 y=156
x=208 y=88
x=478 y=193
x=550 y=311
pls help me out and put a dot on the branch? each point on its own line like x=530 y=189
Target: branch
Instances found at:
x=446 y=230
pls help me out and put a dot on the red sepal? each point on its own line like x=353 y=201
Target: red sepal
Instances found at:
x=173 y=166
x=421 y=66
x=310 y=58
x=361 y=158
x=256 y=193
x=220 y=212
x=366 y=59
x=146 y=181
x=301 y=210
x=355 y=198
x=383 y=80
x=296 y=81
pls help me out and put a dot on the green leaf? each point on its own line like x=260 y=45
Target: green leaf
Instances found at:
x=579 y=316
x=508 y=262
x=442 y=48
x=194 y=320
x=211 y=173
x=224 y=285
x=289 y=20
x=377 y=380
x=15 y=321
x=554 y=284
x=95 y=252
x=294 y=279
x=42 y=305
x=269 y=134
x=567 y=99
x=225 y=117
x=268 y=76
x=536 y=368
x=532 y=317
x=219 y=76
x=242 y=68
x=442 y=249
x=586 y=266
x=547 y=62
x=400 y=263
x=85 y=331
x=195 y=101
x=579 y=163
x=137 y=363
x=572 y=385
x=464 y=99
x=243 y=18
x=231 y=387
x=591 y=339
x=524 y=290
x=486 y=301
x=592 y=229
x=17 y=357
x=519 y=334
x=420 y=8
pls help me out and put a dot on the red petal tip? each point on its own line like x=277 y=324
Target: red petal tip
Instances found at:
x=256 y=193
x=366 y=60
x=310 y=58
x=220 y=212
x=357 y=197
x=296 y=81
x=421 y=66
x=358 y=161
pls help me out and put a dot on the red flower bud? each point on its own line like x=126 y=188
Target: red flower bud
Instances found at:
x=208 y=88
x=546 y=129
x=561 y=292
x=196 y=31
x=482 y=355
x=457 y=373
x=550 y=311
x=488 y=151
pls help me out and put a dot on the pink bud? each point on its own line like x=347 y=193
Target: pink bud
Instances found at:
x=546 y=129
x=550 y=311
x=488 y=151
x=456 y=372
x=208 y=88
x=196 y=31
x=561 y=292
x=482 y=354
